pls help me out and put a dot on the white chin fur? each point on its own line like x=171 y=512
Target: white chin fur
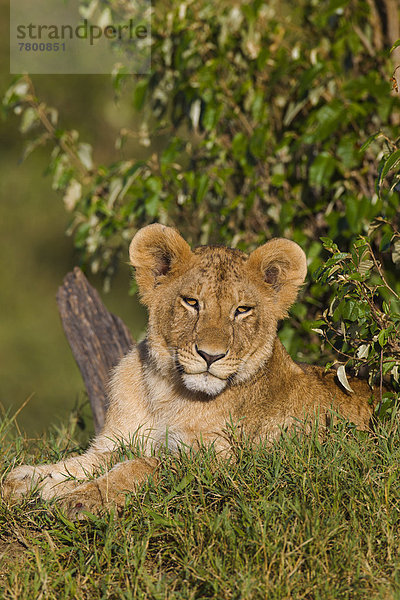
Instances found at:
x=204 y=382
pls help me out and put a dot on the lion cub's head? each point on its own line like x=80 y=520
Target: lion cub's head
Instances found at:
x=213 y=311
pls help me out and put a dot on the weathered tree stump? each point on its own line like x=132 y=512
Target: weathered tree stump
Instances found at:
x=97 y=338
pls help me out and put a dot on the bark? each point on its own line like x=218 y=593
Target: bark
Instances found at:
x=97 y=338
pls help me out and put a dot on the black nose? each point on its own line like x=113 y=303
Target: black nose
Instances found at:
x=209 y=358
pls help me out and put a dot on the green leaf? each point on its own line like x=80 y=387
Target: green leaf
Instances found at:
x=369 y=141
x=329 y=118
x=350 y=310
x=382 y=338
x=322 y=170
x=151 y=204
x=360 y=242
x=308 y=77
x=278 y=179
x=209 y=117
x=388 y=366
x=338 y=257
x=337 y=315
x=353 y=209
x=329 y=244
x=385 y=241
x=239 y=145
x=202 y=188
x=258 y=143
x=388 y=165
x=139 y=93
x=395 y=45
x=346 y=151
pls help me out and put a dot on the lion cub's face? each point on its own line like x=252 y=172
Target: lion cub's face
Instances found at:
x=213 y=312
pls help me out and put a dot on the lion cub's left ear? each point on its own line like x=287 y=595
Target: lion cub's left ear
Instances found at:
x=282 y=265
x=157 y=251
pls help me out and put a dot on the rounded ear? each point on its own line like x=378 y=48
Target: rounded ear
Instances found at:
x=157 y=251
x=282 y=265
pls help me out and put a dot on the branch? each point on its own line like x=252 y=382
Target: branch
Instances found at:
x=97 y=338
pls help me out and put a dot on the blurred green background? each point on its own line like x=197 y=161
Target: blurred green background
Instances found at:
x=35 y=359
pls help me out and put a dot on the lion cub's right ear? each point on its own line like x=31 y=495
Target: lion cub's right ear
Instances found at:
x=157 y=251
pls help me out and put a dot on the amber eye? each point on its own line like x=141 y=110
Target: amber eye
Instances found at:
x=191 y=302
x=241 y=310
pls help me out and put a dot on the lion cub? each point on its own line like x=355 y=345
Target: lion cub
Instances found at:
x=211 y=357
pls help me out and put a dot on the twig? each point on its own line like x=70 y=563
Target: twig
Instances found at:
x=378 y=267
x=380 y=382
x=31 y=99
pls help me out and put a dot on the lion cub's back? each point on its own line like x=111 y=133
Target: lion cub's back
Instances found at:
x=356 y=406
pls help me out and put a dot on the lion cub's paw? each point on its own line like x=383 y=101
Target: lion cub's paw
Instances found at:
x=29 y=478
x=87 y=497
x=20 y=481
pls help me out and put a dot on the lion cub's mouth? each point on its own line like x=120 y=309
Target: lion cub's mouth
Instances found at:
x=204 y=382
x=210 y=379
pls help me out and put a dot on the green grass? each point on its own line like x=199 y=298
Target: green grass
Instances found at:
x=303 y=519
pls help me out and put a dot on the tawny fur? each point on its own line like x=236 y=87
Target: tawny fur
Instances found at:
x=211 y=357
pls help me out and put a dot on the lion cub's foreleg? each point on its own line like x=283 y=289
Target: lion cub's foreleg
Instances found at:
x=109 y=489
x=53 y=480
